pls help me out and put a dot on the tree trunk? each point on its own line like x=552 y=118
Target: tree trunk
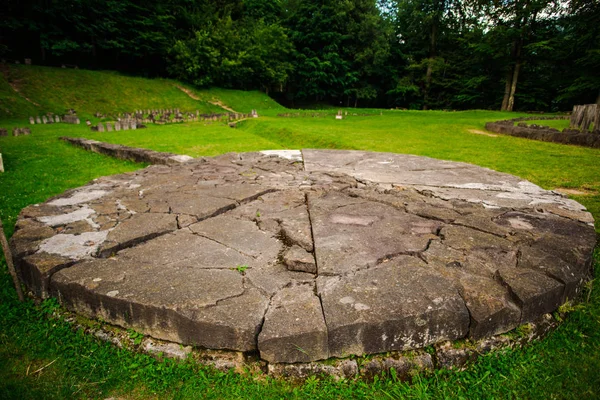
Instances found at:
x=507 y=86
x=513 y=87
x=598 y=98
x=514 y=78
x=432 y=54
x=355 y=101
x=427 y=84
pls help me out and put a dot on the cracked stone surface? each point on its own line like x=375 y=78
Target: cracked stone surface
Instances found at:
x=302 y=256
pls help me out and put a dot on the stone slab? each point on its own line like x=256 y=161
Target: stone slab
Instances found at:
x=352 y=234
x=204 y=307
x=294 y=328
x=137 y=229
x=345 y=253
x=420 y=307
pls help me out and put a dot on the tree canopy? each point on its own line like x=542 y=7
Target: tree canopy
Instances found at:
x=422 y=54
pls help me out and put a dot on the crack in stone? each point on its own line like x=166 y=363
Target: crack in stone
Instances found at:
x=477 y=229
x=460 y=294
x=312 y=234
x=254 y=197
x=513 y=296
x=432 y=217
x=106 y=253
x=235 y=296
x=226 y=246
x=262 y=321
x=218 y=212
x=376 y=200
x=438 y=169
x=546 y=272
x=389 y=257
x=485 y=259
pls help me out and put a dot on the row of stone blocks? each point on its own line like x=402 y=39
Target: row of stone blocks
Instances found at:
x=16 y=131
x=544 y=133
x=124 y=125
x=69 y=119
x=165 y=115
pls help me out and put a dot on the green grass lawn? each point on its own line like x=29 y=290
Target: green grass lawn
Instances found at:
x=44 y=357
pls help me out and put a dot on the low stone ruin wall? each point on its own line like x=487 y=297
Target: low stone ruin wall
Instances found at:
x=174 y=115
x=324 y=114
x=51 y=119
x=128 y=153
x=16 y=131
x=544 y=133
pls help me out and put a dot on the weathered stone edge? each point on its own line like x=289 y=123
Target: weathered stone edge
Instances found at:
x=507 y=127
x=128 y=153
x=443 y=355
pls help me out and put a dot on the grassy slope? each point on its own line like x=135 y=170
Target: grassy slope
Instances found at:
x=245 y=101
x=88 y=92
x=564 y=365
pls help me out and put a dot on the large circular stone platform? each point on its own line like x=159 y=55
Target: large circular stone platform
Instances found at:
x=320 y=254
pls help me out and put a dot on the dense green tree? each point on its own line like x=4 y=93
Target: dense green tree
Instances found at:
x=581 y=45
x=342 y=49
x=243 y=54
x=508 y=54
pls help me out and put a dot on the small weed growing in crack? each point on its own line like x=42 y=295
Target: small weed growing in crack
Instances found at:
x=257 y=214
x=564 y=309
x=241 y=269
x=135 y=336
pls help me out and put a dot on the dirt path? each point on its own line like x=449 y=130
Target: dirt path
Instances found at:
x=214 y=102
x=478 y=132
x=575 y=192
x=223 y=106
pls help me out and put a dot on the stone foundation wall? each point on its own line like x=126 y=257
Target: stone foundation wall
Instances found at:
x=128 y=153
x=544 y=133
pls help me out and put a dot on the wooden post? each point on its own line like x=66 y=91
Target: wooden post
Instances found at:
x=587 y=117
x=577 y=116
x=597 y=120
x=9 y=262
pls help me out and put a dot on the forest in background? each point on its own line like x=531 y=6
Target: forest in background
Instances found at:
x=534 y=55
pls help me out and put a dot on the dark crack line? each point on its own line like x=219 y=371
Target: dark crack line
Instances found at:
x=216 y=213
x=347 y=205
x=224 y=245
x=262 y=321
x=235 y=296
x=458 y=291
x=375 y=200
x=432 y=217
x=390 y=257
x=429 y=193
x=546 y=272
x=324 y=320
x=511 y=294
x=106 y=253
x=312 y=234
x=253 y=197
x=438 y=169
x=477 y=229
